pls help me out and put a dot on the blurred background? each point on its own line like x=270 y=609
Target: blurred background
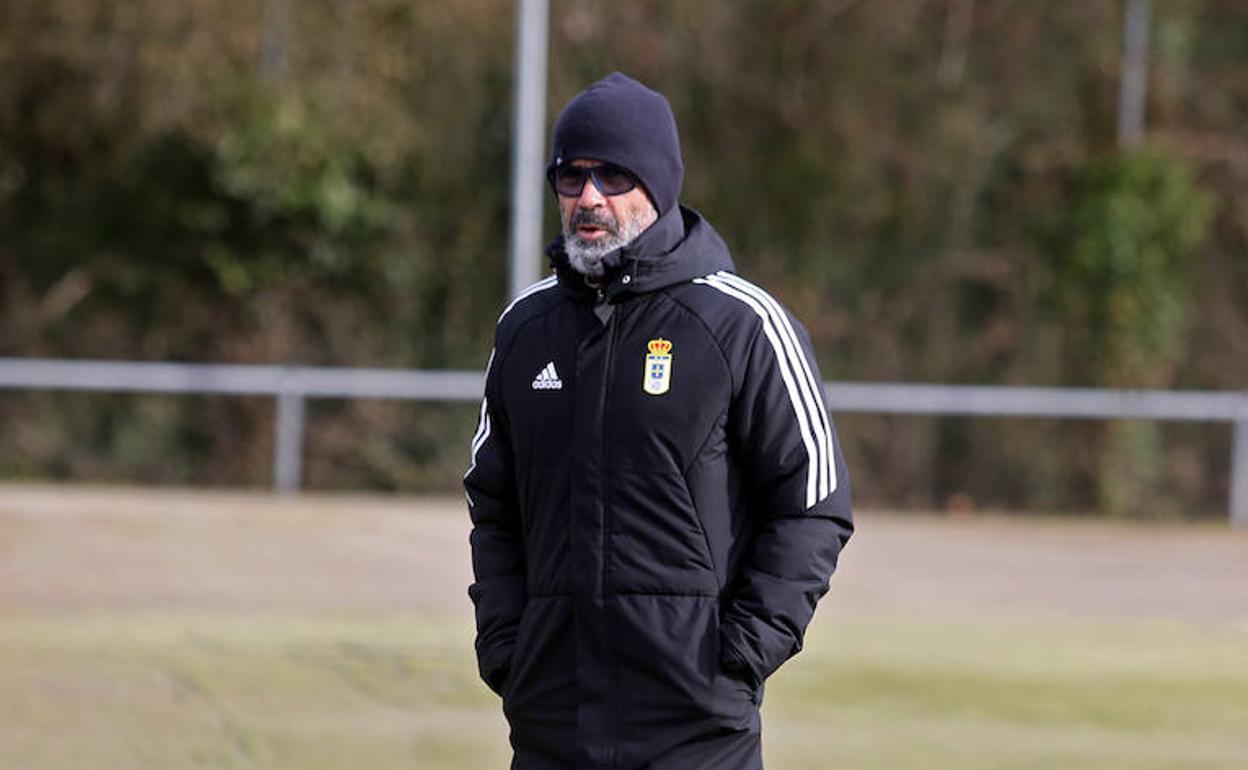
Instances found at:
x=936 y=187
x=944 y=191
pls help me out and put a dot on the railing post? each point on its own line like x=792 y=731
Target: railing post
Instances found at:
x=1133 y=77
x=528 y=146
x=288 y=443
x=1239 y=468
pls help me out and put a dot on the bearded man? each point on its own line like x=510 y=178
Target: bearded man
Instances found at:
x=657 y=492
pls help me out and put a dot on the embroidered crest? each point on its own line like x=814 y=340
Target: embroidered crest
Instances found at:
x=658 y=376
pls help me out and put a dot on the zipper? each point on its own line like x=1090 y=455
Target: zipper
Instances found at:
x=604 y=416
x=608 y=369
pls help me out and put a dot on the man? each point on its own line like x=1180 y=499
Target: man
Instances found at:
x=657 y=493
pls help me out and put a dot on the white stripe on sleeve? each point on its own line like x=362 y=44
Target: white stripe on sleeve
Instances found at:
x=804 y=422
x=483 y=425
x=542 y=285
x=811 y=386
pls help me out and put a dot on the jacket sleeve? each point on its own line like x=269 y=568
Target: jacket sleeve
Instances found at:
x=498 y=592
x=799 y=499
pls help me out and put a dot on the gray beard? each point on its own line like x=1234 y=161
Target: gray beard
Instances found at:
x=586 y=256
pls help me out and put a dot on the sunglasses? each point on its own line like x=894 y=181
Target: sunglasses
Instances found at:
x=610 y=179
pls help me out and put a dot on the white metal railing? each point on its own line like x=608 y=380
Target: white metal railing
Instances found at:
x=292 y=385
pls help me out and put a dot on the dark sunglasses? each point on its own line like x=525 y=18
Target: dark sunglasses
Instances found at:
x=610 y=179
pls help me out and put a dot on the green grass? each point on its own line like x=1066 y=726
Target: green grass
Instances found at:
x=1036 y=695
x=224 y=690
x=241 y=692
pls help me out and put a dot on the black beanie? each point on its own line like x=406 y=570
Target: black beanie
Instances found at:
x=618 y=120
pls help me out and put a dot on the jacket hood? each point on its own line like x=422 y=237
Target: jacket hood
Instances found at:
x=680 y=246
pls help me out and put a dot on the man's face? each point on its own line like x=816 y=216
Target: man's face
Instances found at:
x=595 y=224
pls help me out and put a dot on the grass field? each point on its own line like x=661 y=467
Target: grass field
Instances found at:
x=173 y=630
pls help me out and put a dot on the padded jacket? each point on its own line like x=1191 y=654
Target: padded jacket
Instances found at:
x=658 y=500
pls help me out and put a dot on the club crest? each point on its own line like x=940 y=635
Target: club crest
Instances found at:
x=658 y=376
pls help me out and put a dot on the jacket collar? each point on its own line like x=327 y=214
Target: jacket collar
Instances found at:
x=680 y=246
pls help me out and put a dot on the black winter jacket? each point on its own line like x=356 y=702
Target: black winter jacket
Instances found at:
x=658 y=500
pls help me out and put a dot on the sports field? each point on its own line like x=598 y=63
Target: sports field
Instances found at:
x=175 y=629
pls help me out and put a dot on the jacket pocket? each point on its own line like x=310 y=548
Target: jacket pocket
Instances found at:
x=670 y=684
x=541 y=682
x=517 y=650
x=658 y=544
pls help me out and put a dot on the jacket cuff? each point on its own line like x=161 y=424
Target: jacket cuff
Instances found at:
x=733 y=661
x=495 y=665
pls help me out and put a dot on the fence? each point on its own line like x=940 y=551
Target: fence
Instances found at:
x=293 y=385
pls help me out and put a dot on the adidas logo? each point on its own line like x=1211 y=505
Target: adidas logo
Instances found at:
x=547 y=379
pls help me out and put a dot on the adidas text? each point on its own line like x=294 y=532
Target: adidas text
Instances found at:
x=547 y=379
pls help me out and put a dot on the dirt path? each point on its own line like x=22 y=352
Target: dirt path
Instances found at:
x=78 y=548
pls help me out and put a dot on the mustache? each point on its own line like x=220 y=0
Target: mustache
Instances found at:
x=597 y=219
